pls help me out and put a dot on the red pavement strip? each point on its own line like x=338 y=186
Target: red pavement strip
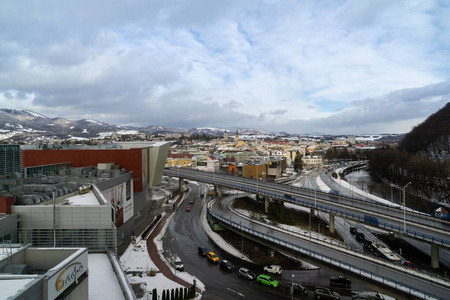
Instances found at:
x=154 y=255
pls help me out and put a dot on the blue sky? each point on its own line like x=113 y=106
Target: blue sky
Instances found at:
x=335 y=67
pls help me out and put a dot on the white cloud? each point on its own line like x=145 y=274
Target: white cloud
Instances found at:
x=292 y=66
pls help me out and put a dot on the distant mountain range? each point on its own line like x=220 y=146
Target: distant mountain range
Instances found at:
x=17 y=123
x=21 y=124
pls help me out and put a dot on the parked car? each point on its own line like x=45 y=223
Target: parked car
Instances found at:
x=211 y=256
x=297 y=288
x=176 y=262
x=275 y=269
x=188 y=208
x=267 y=280
x=325 y=293
x=226 y=265
x=246 y=273
x=202 y=251
x=191 y=201
x=341 y=281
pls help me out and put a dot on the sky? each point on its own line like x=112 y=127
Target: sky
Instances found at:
x=334 y=67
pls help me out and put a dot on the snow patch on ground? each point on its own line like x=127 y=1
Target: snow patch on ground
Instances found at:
x=220 y=241
x=291 y=228
x=322 y=185
x=136 y=260
x=297 y=207
x=183 y=275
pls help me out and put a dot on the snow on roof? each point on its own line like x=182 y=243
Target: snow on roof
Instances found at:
x=103 y=283
x=10 y=287
x=85 y=199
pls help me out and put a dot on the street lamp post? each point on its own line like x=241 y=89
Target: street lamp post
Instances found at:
x=310 y=213
x=195 y=292
x=404 y=206
x=242 y=236
x=315 y=198
x=292 y=287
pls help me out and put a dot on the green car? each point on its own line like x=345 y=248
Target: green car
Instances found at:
x=267 y=280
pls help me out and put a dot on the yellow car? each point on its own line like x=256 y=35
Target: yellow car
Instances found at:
x=212 y=257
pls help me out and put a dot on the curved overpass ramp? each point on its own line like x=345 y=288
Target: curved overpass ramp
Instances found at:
x=400 y=278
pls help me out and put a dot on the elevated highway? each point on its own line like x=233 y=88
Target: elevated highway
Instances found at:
x=416 y=225
x=399 y=278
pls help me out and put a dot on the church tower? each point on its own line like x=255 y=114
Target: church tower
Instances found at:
x=225 y=136
x=236 y=137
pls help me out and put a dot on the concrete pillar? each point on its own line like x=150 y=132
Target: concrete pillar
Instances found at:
x=181 y=184
x=434 y=256
x=266 y=205
x=331 y=222
x=219 y=191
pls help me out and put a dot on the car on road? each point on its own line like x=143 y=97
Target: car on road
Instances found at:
x=289 y=197
x=191 y=201
x=410 y=265
x=360 y=237
x=267 y=280
x=275 y=269
x=368 y=295
x=296 y=288
x=211 y=256
x=246 y=273
x=325 y=293
x=188 y=208
x=202 y=251
x=340 y=280
x=226 y=265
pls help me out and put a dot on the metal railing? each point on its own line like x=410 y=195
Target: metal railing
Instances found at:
x=214 y=178
x=93 y=239
x=326 y=259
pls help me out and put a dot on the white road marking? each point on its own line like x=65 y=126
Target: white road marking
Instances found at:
x=240 y=294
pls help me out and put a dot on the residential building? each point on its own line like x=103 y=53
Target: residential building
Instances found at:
x=255 y=171
x=9 y=159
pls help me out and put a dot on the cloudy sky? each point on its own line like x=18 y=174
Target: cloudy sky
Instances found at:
x=337 y=67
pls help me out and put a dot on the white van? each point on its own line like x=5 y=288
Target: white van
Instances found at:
x=275 y=269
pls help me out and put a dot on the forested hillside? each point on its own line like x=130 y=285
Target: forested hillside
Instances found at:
x=422 y=158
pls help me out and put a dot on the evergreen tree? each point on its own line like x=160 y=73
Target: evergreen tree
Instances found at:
x=164 y=295
x=176 y=294
x=298 y=163
x=172 y=294
x=186 y=295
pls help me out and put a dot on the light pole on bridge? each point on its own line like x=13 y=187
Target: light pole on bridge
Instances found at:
x=404 y=206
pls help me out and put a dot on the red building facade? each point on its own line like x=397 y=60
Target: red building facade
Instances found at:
x=130 y=159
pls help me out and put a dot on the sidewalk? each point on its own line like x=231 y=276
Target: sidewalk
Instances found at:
x=154 y=254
